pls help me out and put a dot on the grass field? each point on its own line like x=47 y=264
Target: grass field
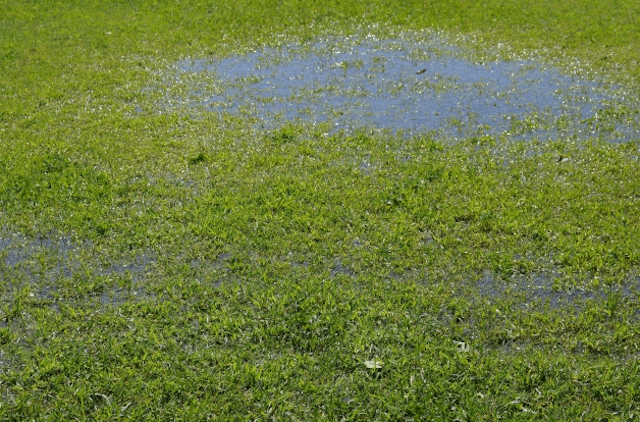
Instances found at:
x=175 y=265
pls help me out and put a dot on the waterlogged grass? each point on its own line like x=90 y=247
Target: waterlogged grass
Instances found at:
x=191 y=266
x=415 y=84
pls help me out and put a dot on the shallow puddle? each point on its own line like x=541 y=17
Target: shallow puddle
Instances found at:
x=44 y=262
x=537 y=291
x=412 y=86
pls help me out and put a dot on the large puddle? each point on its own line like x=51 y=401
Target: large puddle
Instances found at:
x=412 y=86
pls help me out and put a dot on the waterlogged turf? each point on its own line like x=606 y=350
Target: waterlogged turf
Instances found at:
x=239 y=212
x=415 y=85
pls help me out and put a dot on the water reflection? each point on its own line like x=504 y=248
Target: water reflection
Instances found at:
x=399 y=85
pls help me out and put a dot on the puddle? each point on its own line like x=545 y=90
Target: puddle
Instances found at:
x=19 y=248
x=413 y=86
x=341 y=269
x=44 y=261
x=538 y=289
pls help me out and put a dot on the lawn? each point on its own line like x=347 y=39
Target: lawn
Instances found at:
x=179 y=264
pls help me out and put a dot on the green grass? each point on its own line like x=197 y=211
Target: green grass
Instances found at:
x=164 y=266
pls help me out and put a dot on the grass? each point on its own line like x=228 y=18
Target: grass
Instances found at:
x=167 y=266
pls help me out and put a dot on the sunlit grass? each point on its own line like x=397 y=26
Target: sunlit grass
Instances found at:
x=189 y=265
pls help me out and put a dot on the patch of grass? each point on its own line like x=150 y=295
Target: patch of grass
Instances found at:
x=169 y=266
x=200 y=158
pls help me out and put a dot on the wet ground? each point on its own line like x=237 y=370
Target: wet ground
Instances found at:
x=53 y=265
x=413 y=86
x=409 y=86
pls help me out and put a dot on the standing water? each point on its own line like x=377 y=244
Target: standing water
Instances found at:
x=406 y=86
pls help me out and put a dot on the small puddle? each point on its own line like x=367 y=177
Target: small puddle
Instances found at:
x=537 y=290
x=411 y=86
x=44 y=260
